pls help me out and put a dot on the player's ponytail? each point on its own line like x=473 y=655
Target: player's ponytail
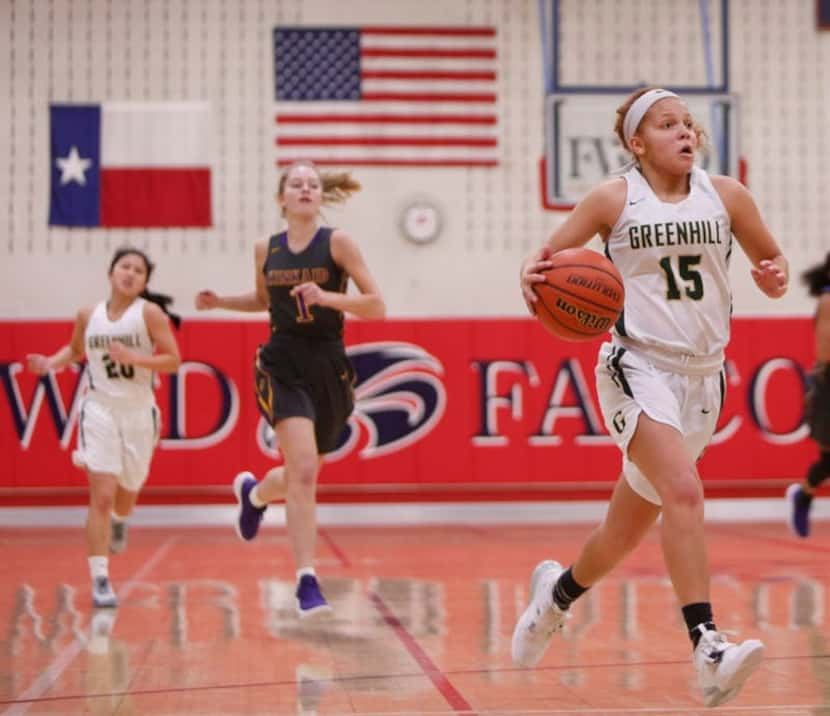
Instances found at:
x=160 y=299
x=338 y=186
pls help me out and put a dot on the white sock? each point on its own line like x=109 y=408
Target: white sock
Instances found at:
x=99 y=567
x=118 y=518
x=305 y=571
x=253 y=496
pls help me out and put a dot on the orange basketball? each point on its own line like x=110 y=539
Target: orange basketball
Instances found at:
x=582 y=295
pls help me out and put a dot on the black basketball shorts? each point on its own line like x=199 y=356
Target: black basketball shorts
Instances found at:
x=817 y=405
x=325 y=396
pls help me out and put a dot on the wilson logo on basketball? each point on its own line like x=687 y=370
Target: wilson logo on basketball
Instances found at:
x=584 y=318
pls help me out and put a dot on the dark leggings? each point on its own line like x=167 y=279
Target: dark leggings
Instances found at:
x=819 y=470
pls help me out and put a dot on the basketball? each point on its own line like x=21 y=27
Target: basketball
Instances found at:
x=582 y=295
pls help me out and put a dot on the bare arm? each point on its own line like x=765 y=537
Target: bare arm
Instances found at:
x=770 y=269
x=346 y=253
x=823 y=329
x=254 y=301
x=166 y=359
x=595 y=214
x=245 y=302
x=71 y=352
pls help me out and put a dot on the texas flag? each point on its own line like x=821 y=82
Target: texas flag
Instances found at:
x=130 y=164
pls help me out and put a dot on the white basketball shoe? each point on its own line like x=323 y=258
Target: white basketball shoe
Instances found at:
x=723 y=667
x=542 y=618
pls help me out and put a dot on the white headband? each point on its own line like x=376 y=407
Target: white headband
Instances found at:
x=638 y=110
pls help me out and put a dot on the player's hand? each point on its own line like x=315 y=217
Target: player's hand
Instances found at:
x=532 y=272
x=311 y=293
x=37 y=363
x=206 y=300
x=770 y=278
x=121 y=354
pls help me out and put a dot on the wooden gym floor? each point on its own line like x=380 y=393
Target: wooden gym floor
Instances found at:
x=422 y=625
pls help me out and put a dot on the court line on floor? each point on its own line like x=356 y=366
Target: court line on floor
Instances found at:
x=59 y=664
x=332 y=545
x=776 y=710
x=439 y=679
x=459 y=672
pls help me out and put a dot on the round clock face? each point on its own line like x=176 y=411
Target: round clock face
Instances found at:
x=421 y=222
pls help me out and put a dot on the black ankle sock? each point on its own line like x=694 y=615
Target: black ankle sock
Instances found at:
x=697 y=615
x=567 y=589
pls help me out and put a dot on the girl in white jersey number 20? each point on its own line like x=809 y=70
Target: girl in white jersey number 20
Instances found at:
x=668 y=227
x=126 y=339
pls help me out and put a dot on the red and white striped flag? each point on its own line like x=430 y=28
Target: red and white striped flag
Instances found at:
x=387 y=96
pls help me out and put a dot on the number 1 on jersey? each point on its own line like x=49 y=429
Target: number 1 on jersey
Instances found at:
x=303 y=314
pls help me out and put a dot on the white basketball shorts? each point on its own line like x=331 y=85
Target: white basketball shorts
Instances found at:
x=117 y=440
x=628 y=384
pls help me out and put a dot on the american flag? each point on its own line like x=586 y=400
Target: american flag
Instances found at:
x=386 y=96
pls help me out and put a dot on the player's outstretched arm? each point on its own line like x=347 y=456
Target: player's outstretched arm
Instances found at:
x=70 y=353
x=251 y=302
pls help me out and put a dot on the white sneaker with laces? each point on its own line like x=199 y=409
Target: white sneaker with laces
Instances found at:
x=723 y=667
x=542 y=618
x=102 y=593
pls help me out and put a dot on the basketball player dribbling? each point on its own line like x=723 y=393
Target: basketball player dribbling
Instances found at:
x=668 y=227
x=126 y=340
x=303 y=377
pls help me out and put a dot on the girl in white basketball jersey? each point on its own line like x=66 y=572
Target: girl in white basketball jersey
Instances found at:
x=668 y=227
x=126 y=340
